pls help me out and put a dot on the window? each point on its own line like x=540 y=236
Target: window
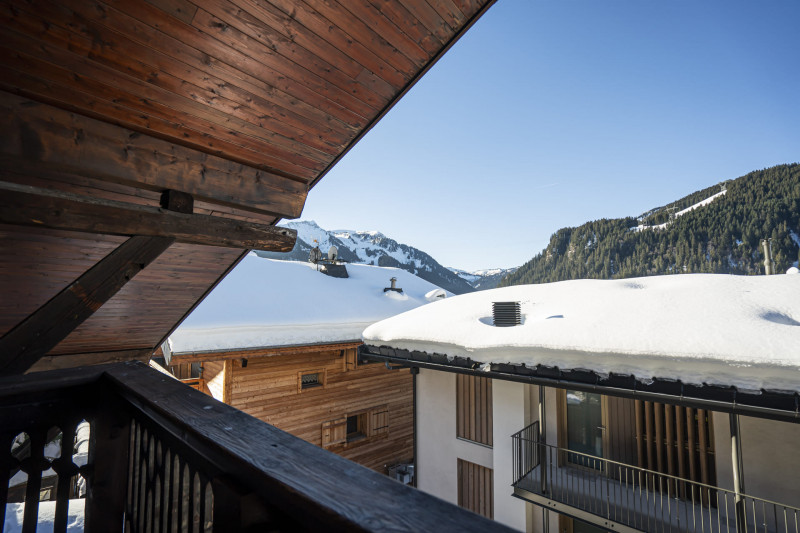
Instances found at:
x=310 y=379
x=362 y=425
x=356 y=427
x=475 y=488
x=474 y=408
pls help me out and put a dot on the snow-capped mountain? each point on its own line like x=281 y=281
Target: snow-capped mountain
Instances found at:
x=483 y=279
x=371 y=248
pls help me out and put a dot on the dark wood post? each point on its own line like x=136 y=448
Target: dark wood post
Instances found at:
x=108 y=459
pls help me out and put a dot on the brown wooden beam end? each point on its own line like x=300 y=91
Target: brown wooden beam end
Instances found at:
x=178 y=201
x=35 y=336
x=58 y=362
x=44 y=208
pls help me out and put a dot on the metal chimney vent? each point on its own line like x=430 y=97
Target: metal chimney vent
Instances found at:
x=506 y=314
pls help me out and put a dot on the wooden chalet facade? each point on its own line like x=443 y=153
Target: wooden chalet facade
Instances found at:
x=146 y=146
x=321 y=393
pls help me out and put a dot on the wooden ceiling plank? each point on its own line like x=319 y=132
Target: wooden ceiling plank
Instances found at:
x=32 y=338
x=387 y=29
x=212 y=49
x=431 y=19
x=317 y=24
x=59 y=362
x=365 y=35
x=36 y=207
x=62 y=28
x=66 y=98
x=328 y=82
x=182 y=10
x=340 y=70
x=40 y=135
x=78 y=73
x=259 y=15
x=399 y=14
x=449 y=12
x=280 y=92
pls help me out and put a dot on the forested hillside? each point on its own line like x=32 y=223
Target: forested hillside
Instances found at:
x=722 y=236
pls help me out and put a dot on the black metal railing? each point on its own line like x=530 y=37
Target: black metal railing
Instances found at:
x=636 y=497
x=165 y=457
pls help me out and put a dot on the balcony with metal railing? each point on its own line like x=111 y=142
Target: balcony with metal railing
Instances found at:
x=623 y=497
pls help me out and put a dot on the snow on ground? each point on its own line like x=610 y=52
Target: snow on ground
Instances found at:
x=718 y=329
x=266 y=302
x=682 y=212
x=47 y=515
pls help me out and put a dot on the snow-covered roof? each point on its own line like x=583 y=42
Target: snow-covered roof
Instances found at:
x=265 y=303
x=726 y=330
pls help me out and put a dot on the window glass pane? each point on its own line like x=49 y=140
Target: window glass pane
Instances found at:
x=584 y=422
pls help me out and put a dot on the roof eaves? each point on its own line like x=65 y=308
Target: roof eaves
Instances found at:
x=770 y=404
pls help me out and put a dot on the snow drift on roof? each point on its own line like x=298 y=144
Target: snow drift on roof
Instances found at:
x=265 y=302
x=699 y=328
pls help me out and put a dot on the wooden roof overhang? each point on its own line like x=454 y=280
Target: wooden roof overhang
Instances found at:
x=146 y=145
x=267 y=351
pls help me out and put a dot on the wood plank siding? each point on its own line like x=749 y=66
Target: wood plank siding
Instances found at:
x=476 y=488
x=239 y=106
x=474 y=408
x=379 y=400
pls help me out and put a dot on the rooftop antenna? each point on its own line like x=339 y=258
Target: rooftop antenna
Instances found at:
x=315 y=254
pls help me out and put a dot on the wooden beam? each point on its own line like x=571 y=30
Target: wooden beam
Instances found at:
x=58 y=362
x=44 y=208
x=39 y=138
x=35 y=336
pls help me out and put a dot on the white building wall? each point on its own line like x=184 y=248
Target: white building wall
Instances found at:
x=508 y=417
x=770 y=455
x=438 y=449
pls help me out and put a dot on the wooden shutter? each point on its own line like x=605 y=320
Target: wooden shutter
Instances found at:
x=474 y=408
x=378 y=421
x=350 y=359
x=476 y=488
x=675 y=440
x=334 y=432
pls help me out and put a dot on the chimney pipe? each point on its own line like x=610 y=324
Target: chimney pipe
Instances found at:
x=769 y=264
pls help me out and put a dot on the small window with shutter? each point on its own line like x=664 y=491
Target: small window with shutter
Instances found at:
x=334 y=432
x=359 y=426
x=310 y=379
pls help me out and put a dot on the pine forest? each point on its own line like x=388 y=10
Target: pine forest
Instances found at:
x=723 y=236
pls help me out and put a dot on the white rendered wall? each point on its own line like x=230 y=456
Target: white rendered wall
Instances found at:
x=509 y=416
x=770 y=455
x=438 y=449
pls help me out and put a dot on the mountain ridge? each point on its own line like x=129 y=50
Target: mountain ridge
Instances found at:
x=717 y=229
x=375 y=248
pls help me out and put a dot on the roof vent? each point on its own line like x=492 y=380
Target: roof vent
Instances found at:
x=506 y=314
x=394 y=286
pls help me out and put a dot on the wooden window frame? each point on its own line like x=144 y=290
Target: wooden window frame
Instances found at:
x=323 y=380
x=374 y=425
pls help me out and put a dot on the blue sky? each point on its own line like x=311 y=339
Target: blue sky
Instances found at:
x=551 y=113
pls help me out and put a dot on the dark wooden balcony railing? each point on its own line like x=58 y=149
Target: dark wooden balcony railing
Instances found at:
x=622 y=497
x=164 y=457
